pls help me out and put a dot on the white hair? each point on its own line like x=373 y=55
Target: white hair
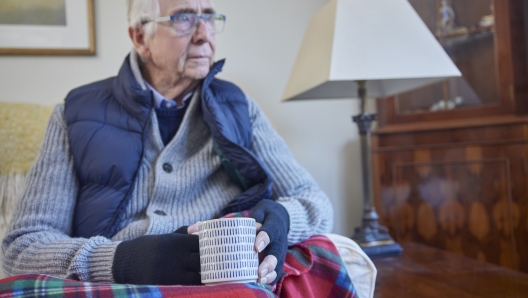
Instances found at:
x=141 y=10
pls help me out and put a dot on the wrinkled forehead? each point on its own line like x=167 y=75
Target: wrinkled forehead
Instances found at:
x=168 y=7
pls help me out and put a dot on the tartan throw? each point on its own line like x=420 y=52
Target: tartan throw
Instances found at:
x=313 y=269
x=48 y=286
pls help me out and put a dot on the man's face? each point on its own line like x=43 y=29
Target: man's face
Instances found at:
x=189 y=56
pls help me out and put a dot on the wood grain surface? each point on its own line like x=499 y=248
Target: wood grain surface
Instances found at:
x=423 y=271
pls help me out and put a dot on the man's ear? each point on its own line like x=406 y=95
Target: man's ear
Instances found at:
x=138 y=37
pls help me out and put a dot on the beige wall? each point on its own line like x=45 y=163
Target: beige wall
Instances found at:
x=260 y=42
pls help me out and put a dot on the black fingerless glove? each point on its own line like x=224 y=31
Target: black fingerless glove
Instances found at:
x=169 y=259
x=276 y=222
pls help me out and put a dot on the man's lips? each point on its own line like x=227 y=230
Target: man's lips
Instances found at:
x=198 y=57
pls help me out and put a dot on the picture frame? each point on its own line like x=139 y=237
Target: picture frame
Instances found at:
x=47 y=27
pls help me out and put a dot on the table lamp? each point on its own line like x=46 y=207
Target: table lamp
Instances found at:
x=377 y=48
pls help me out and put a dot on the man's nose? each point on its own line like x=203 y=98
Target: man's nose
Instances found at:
x=201 y=33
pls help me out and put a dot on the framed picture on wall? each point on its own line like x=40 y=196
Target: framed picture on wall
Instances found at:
x=47 y=27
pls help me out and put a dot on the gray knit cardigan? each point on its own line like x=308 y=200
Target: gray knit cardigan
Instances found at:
x=39 y=239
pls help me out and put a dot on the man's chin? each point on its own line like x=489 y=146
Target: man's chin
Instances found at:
x=197 y=73
x=197 y=68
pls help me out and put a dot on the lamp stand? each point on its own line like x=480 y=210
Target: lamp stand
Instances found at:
x=371 y=237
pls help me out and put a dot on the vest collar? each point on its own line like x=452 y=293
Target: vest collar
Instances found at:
x=134 y=65
x=128 y=87
x=215 y=69
x=130 y=94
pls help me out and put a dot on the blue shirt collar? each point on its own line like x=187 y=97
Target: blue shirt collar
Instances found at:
x=161 y=101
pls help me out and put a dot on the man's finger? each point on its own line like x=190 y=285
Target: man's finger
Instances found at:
x=259 y=225
x=261 y=241
x=192 y=229
x=268 y=278
x=267 y=266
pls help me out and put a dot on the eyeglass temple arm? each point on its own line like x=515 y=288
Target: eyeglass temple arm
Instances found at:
x=162 y=19
x=156 y=20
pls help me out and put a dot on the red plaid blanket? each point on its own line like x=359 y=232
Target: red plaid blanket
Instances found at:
x=47 y=286
x=313 y=269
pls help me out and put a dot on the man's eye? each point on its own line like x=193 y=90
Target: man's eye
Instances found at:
x=181 y=18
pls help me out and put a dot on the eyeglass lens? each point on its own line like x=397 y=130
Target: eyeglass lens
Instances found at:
x=184 y=23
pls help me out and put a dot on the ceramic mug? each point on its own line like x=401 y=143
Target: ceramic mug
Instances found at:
x=227 y=250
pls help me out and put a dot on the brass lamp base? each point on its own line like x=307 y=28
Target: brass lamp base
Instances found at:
x=375 y=239
x=383 y=251
x=371 y=237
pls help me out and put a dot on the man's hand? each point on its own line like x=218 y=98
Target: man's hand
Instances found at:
x=273 y=223
x=266 y=270
x=169 y=259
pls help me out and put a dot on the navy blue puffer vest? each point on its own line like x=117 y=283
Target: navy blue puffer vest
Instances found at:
x=106 y=125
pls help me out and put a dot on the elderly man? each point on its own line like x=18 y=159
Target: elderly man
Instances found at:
x=130 y=163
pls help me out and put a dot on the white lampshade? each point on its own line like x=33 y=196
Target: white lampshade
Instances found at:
x=381 y=41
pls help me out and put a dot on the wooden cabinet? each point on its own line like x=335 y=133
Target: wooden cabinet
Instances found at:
x=457 y=177
x=462 y=187
x=492 y=61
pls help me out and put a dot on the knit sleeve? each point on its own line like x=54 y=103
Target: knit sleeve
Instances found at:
x=310 y=210
x=39 y=239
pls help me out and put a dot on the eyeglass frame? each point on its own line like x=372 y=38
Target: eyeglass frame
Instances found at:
x=205 y=17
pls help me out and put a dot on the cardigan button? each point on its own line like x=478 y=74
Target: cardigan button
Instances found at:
x=159 y=212
x=167 y=167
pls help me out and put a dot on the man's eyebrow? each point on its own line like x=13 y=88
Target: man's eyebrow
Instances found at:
x=209 y=11
x=183 y=10
x=191 y=10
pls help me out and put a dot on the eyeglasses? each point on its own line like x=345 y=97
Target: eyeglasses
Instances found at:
x=185 y=23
